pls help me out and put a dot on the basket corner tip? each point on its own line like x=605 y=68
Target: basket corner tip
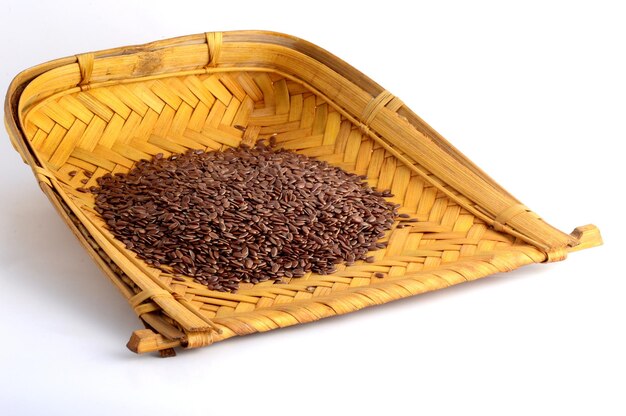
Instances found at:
x=146 y=340
x=587 y=236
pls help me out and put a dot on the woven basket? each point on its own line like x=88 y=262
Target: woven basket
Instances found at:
x=102 y=112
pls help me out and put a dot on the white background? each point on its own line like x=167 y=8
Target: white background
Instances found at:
x=535 y=94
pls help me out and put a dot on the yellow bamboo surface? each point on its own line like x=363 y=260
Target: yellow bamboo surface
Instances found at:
x=102 y=112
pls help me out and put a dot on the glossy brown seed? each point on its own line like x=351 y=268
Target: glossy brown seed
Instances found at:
x=244 y=214
x=379 y=275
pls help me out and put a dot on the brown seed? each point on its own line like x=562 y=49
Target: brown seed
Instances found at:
x=72 y=173
x=379 y=275
x=244 y=214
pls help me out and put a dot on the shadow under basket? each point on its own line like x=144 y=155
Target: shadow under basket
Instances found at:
x=78 y=118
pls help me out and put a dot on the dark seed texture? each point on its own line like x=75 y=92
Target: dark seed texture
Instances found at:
x=243 y=215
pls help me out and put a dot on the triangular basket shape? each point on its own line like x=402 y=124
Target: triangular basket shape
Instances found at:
x=102 y=112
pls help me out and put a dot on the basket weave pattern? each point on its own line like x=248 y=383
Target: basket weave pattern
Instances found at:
x=103 y=125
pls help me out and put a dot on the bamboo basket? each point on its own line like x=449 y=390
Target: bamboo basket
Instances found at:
x=102 y=112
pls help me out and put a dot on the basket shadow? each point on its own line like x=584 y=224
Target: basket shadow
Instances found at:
x=395 y=307
x=51 y=265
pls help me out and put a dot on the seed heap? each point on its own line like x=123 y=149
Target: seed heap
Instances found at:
x=244 y=214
